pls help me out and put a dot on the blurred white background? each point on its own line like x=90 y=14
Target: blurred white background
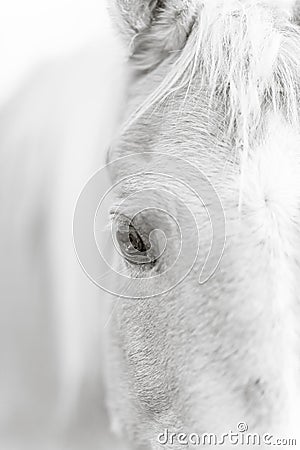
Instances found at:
x=32 y=31
x=56 y=126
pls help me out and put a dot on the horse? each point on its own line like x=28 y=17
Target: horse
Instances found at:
x=202 y=337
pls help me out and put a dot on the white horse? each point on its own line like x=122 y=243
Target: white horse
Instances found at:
x=212 y=88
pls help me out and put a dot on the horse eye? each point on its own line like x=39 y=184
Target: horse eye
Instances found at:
x=137 y=241
x=135 y=248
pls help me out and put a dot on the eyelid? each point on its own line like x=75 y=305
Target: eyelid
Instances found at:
x=121 y=220
x=117 y=216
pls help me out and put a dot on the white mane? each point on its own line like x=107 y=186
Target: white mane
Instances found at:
x=246 y=52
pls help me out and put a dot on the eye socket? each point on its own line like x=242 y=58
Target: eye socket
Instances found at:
x=135 y=245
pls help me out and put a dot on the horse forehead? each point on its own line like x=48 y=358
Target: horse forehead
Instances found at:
x=186 y=125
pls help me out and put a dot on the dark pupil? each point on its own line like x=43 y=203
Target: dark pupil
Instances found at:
x=136 y=240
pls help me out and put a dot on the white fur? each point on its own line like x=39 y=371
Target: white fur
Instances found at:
x=271 y=218
x=245 y=54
